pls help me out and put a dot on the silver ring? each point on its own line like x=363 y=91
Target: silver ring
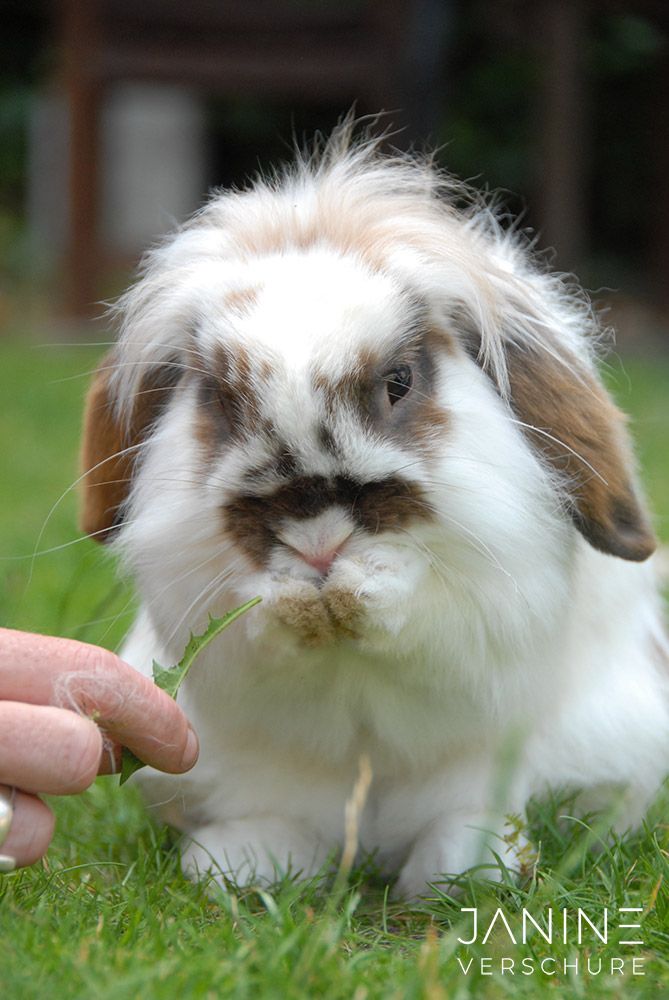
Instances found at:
x=7 y=800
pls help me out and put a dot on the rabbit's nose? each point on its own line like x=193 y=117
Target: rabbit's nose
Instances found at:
x=320 y=557
x=321 y=561
x=317 y=541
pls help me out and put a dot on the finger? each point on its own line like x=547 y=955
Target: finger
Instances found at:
x=148 y=722
x=50 y=670
x=32 y=666
x=45 y=749
x=31 y=830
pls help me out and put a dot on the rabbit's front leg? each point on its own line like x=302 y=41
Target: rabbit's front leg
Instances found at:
x=261 y=849
x=452 y=844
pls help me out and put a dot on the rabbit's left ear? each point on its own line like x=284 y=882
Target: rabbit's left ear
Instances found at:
x=110 y=445
x=569 y=417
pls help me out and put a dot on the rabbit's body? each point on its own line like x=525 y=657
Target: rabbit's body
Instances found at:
x=280 y=752
x=389 y=426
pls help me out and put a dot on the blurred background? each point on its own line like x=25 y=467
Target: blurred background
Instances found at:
x=117 y=117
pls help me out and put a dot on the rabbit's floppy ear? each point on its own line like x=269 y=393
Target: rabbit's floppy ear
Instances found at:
x=571 y=420
x=568 y=416
x=112 y=440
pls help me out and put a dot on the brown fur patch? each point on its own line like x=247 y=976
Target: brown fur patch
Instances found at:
x=589 y=434
x=241 y=300
x=209 y=423
x=324 y=227
x=252 y=520
x=233 y=371
x=417 y=419
x=345 y=610
x=301 y=607
x=320 y=617
x=229 y=408
x=348 y=228
x=104 y=456
x=430 y=428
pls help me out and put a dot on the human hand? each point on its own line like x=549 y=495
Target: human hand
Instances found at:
x=66 y=709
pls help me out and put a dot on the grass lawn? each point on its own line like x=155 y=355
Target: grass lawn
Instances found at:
x=109 y=915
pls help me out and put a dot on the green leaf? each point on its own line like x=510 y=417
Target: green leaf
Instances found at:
x=129 y=764
x=170 y=679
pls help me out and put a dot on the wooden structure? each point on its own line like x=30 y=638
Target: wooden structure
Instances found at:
x=376 y=53
x=381 y=54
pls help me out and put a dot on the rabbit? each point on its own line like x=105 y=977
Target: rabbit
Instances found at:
x=342 y=391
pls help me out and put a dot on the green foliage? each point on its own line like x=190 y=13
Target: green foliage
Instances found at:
x=170 y=679
x=52 y=578
x=110 y=917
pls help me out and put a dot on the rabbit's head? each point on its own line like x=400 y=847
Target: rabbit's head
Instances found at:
x=341 y=392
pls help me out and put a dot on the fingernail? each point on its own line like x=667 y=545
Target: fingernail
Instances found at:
x=192 y=751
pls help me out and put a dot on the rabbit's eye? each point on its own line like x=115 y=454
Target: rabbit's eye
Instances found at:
x=398 y=383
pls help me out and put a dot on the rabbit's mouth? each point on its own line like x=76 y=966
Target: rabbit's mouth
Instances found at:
x=368 y=598
x=321 y=615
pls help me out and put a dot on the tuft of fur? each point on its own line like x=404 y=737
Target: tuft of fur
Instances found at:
x=396 y=212
x=448 y=572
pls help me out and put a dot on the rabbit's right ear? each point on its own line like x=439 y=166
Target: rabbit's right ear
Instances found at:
x=112 y=440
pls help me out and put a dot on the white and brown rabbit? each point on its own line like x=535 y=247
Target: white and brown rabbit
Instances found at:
x=340 y=392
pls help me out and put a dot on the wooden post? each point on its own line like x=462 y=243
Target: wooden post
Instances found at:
x=563 y=130
x=82 y=89
x=660 y=213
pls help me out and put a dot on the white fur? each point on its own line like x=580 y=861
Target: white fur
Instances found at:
x=496 y=634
